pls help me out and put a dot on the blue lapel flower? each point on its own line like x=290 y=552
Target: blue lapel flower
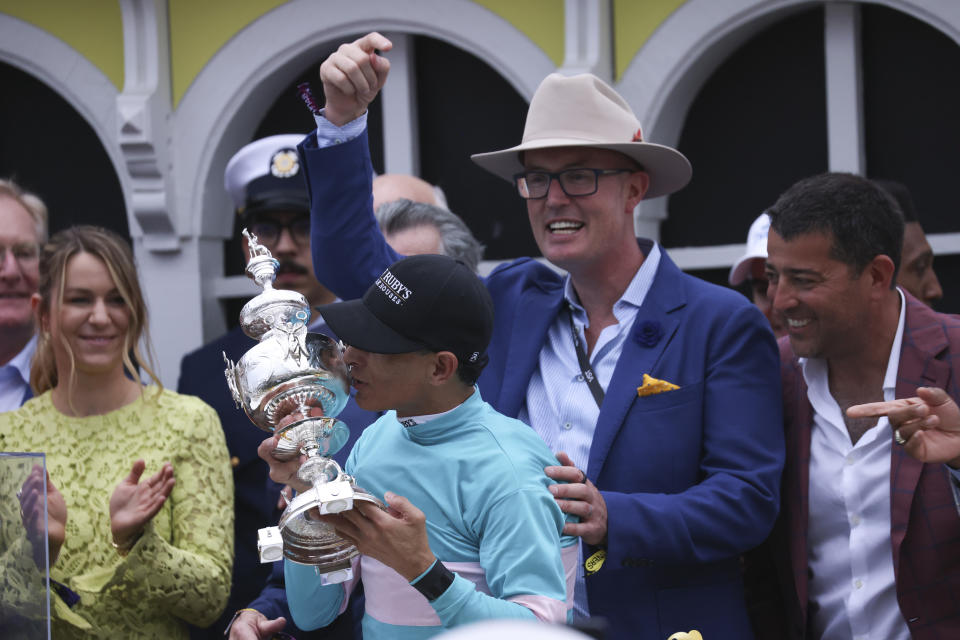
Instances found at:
x=648 y=333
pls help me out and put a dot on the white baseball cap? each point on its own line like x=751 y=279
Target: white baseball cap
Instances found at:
x=756 y=249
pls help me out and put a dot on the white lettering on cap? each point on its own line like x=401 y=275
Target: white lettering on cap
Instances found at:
x=390 y=285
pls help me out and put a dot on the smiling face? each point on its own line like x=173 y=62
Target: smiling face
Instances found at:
x=19 y=267
x=823 y=304
x=92 y=320
x=584 y=232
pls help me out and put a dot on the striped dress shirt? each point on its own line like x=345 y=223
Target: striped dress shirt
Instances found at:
x=559 y=405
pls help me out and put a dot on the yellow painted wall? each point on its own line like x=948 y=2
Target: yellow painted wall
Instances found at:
x=199 y=29
x=539 y=20
x=93 y=27
x=633 y=23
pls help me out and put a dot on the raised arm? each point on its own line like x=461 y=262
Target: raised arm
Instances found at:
x=349 y=252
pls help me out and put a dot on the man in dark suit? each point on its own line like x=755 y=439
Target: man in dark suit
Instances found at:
x=868 y=541
x=661 y=389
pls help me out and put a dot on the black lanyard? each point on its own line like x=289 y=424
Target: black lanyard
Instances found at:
x=585 y=367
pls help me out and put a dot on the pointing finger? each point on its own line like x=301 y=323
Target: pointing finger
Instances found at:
x=876 y=409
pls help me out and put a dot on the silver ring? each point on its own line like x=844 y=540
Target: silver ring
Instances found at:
x=899 y=439
x=583 y=476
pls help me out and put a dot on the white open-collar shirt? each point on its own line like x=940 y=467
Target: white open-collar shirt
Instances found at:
x=852 y=593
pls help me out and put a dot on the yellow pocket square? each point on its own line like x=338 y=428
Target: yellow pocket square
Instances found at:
x=683 y=635
x=652 y=386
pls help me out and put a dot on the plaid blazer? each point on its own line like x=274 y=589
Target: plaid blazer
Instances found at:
x=924 y=509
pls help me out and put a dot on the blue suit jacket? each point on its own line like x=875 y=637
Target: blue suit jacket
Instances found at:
x=255 y=495
x=690 y=477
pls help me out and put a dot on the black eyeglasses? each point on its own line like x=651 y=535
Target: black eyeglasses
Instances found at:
x=268 y=231
x=575 y=182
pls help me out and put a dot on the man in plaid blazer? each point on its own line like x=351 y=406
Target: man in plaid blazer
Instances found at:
x=868 y=539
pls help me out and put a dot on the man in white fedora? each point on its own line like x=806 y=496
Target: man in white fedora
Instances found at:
x=659 y=392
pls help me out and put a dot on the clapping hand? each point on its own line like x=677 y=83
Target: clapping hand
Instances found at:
x=31 y=512
x=927 y=425
x=134 y=503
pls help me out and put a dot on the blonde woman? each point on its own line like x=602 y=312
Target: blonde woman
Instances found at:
x=144 y=472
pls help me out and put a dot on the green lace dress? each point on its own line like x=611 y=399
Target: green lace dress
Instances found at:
x=179 y=570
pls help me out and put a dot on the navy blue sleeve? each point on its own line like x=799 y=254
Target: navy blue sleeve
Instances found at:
x=272 y=601
x=349 y=252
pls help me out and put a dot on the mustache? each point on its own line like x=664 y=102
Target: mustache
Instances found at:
x=289 y=266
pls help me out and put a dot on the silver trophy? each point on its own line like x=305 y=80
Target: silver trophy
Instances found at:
x=284 y=378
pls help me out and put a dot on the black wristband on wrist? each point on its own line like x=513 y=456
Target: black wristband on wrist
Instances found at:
x=435 y=582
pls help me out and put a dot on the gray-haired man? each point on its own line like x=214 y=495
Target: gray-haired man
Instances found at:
x=415 y=228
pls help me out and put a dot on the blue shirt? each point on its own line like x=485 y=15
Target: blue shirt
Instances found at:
x=560 y=406
x=15 y=377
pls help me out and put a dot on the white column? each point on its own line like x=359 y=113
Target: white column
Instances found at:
x=169 y=264
x=588 y=38
x=401 y=135
x=844 y=88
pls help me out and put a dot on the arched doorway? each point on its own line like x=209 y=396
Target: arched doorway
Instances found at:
x=760 y=96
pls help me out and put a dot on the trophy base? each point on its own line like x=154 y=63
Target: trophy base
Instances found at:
x=311 y=542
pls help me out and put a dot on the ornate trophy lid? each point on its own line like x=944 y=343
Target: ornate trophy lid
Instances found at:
x=280 y=309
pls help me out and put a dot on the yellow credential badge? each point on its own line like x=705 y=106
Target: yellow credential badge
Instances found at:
x=594 y=562
x=684 y=635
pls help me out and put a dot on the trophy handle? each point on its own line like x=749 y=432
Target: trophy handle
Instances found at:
x=231 y=375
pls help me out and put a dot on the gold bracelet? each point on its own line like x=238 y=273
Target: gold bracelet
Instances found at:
x=236 y=614
x=124 y=549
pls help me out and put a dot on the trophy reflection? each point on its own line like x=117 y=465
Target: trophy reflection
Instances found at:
x=281 y=383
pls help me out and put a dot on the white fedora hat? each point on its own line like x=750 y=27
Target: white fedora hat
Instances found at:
x=584 y=111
